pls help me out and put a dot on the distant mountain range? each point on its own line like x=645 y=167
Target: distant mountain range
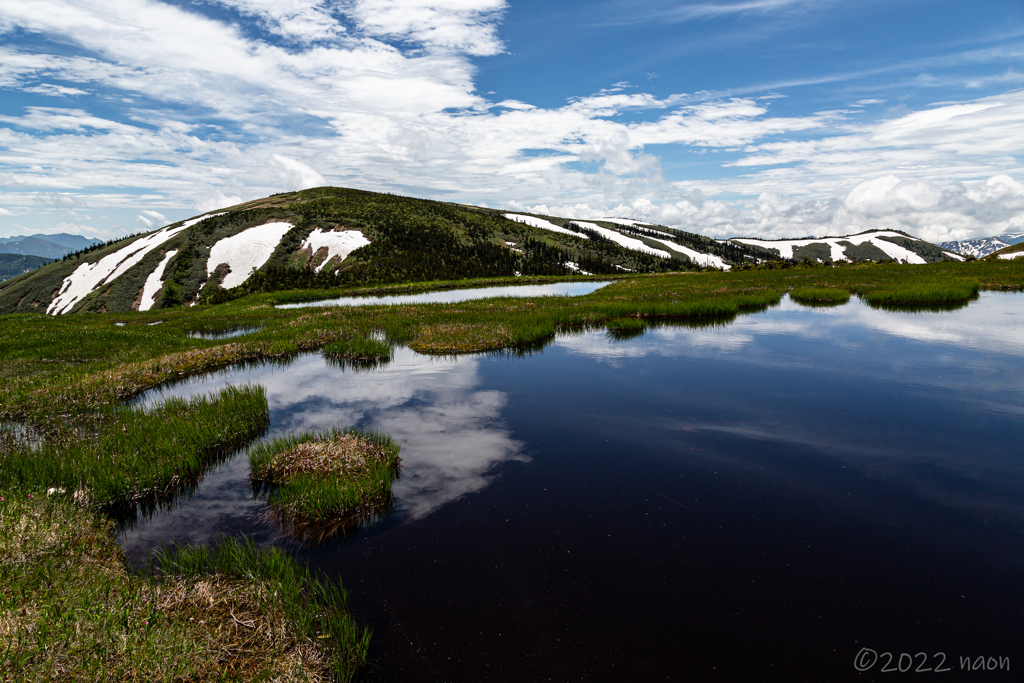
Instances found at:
x=47 y=246
x=13 y=265
x=329 y=237
x=984 y=246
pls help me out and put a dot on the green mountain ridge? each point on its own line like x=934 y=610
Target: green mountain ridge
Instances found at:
x=297 y=240
x=13 y=265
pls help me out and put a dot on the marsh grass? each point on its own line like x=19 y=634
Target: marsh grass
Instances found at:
x=126 y=453
x=925 y=294
x=819 y=296
x=313 y=607
x=317 y=481
x=360 y=349
x=69 y=610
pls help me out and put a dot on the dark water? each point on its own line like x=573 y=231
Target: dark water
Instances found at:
x=451 y=296
x=755 y=501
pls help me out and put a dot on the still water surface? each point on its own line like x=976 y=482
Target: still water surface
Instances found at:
x=757 y=500
x=452 y=296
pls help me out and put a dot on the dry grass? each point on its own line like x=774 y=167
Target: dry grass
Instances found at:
x=69 y=610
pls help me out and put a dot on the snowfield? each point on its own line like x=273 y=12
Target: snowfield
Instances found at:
x=338 y=244
x=245 y=252
x=154 y=283
x=893 y=251
x=635 y=224
x=630 y=243
x=535 y=222
x=1016 y=254
x=701 y=259
x=89 y=276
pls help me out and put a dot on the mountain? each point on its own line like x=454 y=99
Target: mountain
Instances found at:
x=13 y=265
x=981 y=248
x=48 y=246
x=334 y=237
x=1012 y=252
x=872 y=245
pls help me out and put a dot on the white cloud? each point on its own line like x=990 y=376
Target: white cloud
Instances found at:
x=55 y=90
x=215 y=200
x=294 y=175
x=460 y=25
x=152 y=219
x=380 y=94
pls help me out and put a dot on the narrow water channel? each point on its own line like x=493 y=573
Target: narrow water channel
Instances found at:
x=452 y=296
x=758 y=500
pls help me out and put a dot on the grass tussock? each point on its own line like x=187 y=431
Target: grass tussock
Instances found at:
x=360 y=349
x=819 y=296
x=70 y=611
x=334 y=479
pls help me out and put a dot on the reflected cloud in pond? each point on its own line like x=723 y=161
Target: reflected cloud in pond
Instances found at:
x=451 y=432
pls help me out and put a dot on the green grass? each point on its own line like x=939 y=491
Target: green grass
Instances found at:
x=325 y=482
x=70 y=611
x=360 y=349
x=314 y=608
x=819 y=296
x=924 y=294
x=125 y=453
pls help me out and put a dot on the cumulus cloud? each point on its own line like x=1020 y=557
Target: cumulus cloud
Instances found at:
x=152 y=219
x=292 y=174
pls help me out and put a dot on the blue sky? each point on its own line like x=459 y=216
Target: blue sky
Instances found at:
x=769 y=118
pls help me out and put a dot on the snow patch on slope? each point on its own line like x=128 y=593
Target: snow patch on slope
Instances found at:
x=1016 y=254
x=893 y=251
x=89 y=276
x=630 y=243
x=535 y=222
x=635 y=224
x=701 y=259
x=154 y=283
x=245 y=252
x=339 y=244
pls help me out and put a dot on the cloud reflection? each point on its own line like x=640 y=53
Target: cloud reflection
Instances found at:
x=451 y=431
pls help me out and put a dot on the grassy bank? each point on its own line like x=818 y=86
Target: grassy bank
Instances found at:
x=69 y=603
x=69 y=610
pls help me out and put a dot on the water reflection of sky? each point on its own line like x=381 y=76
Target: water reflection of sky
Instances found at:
x=926 y=399
x=929 y=400
x=450 y=429
x=451 y=296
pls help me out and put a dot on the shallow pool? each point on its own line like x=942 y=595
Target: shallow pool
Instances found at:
x=451 y=296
